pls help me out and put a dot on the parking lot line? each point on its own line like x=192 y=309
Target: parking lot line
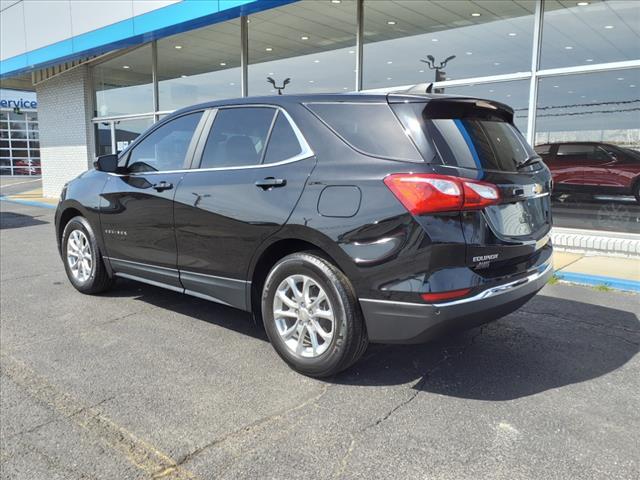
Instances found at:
x=138 y=452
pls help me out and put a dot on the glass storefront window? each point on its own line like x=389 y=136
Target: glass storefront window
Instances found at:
x=103 y=138
x=310 y=42
x=20 y=154
x=128 y=130
x=21 y=134
x=199 y=66
x=513 y=93
x=583 y=33
x=588 y=133
x=486 y=38
x=123 y=85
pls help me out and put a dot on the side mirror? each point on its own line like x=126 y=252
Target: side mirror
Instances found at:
x=613 y=155
x=106 y=163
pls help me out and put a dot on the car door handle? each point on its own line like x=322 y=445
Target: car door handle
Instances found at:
x=162 y=186
x=270 y=182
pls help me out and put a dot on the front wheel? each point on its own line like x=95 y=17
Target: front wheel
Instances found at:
x=312 y=316
x=82 y=259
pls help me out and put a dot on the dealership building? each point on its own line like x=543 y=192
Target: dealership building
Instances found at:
x=104 y=71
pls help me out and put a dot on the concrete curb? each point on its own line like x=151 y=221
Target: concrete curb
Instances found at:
x=593 y=241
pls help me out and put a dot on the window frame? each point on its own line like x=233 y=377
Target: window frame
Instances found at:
x=125 y=155
x=306 y=151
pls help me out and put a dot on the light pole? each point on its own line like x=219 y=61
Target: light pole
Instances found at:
x=441 y=75
x=279 y=89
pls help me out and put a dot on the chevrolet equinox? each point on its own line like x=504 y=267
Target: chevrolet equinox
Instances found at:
x=337 y=220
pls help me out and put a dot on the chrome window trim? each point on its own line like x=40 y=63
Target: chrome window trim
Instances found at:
x=306 y=152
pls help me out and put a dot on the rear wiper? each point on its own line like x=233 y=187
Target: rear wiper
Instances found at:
x=528 y=161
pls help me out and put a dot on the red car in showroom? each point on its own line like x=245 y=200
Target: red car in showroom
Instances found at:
x=592 y=167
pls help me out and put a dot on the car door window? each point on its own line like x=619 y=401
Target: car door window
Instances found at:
x=601 y=155
x=166 y=147
x=283 y=142
x=574 y=152
x=238 y=137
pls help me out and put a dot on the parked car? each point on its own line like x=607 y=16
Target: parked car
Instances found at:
x=593 y=168
x=337 y=220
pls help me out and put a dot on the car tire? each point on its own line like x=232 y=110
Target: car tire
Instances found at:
x=293 y=322
x=636 y=191
x=82 y=258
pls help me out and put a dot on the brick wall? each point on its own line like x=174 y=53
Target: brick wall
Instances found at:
x=65 y=109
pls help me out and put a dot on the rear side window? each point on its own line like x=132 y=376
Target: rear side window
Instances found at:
x=166 y=147
x=371 y=128
x=283 y=143
x=238 y=137
x=475 y=140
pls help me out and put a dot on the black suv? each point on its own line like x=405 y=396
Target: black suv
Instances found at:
x=337 y=220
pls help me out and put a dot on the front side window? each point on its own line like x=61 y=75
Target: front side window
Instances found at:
x=166 y=147
x=238 y=137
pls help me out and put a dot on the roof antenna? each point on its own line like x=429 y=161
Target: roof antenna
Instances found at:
x=279 y=89
x=429 y=88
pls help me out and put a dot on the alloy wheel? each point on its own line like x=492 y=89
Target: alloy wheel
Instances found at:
x=79 y=256
x=303 y=316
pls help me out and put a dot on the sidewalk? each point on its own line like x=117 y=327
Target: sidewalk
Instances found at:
x=598 y=271
x=33 y=198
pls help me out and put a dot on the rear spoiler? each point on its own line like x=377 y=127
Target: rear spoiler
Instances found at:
x=452 y=106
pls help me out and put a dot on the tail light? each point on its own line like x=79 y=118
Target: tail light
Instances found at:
x=449 y=295
x=423 y=193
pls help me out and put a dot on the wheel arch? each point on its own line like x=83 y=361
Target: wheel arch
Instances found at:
x=67 y=214
x=271 y=252
x=70 y=209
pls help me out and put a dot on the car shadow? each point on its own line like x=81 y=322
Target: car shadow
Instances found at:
x=197 y=308
x=549 y=343
x=17 y=220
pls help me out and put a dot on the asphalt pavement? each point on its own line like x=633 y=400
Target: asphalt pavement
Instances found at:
x=143 y=383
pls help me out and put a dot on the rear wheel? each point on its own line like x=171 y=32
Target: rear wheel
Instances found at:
x=312 y=316
x=82 y=258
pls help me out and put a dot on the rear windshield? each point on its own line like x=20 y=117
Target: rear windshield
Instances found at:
x=477 y=141
x=371 y=128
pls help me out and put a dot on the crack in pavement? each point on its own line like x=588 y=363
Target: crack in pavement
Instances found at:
x=244 y=430
x=417 y=387
x=13 y=279
x=79 y=331
x=105 y=431
x=55 y=420
x=595 y=326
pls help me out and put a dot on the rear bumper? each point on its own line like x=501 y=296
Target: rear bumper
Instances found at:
x=403 y=322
